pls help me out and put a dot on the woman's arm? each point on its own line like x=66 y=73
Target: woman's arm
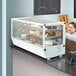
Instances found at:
x=71 y=37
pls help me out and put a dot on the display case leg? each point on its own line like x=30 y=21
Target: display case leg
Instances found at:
x=60 y=56
x=48 y=60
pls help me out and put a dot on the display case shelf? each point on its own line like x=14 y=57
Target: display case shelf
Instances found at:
x=54 y=30
x=53 y=37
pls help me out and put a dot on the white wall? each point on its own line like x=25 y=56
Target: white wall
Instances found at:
x=71 y=10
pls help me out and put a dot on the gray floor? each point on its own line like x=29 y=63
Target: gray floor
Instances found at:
x=26 y=64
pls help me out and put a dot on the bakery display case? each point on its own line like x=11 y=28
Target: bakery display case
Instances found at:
x=41 y=37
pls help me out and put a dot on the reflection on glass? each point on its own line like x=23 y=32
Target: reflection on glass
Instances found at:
x=28 y=32
x=53 y=35
x=33 y=33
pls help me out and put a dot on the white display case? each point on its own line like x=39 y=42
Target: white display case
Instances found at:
x=41 y=37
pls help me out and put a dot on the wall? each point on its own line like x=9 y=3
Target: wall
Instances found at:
x=17 y=8
x=0 y=37
x=71 y=10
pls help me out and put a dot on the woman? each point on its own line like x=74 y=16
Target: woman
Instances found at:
x=71 y=43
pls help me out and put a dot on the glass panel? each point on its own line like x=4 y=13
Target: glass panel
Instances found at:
x=28 y=32
x=54 y=35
